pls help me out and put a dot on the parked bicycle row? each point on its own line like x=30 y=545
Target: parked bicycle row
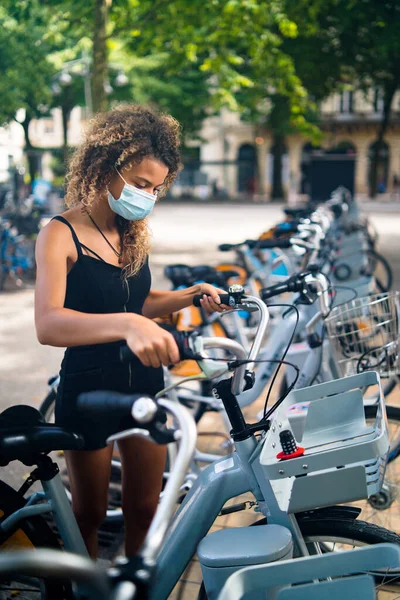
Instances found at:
x=308 y=307
x=18 y=231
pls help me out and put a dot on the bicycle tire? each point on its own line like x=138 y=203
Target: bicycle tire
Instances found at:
x=31 y=533
x=389 y=385
x=393 y=414
x=46 y=408
x=373 y=258
x=315 y=529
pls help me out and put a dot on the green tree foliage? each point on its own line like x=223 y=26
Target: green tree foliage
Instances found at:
x=238 y=44
x=271 y=60
x=366 y=36
x=24 y=72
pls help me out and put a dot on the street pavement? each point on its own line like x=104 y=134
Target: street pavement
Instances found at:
x=182 y=233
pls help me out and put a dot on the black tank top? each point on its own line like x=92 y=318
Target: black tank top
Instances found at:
x=96 y=286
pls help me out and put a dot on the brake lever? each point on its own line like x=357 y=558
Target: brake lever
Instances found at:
x=157 y=434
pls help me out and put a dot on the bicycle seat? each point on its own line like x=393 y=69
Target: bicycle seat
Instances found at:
x=227 y=275
x=24 y=434
x=204 y=273
x=179 y=274
x=297 y=212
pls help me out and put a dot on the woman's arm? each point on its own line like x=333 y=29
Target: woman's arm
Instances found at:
x=59 y=326
x=159 y=304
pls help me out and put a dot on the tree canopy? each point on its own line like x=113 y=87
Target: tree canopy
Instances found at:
x=270 y=60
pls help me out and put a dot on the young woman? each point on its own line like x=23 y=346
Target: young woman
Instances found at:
x=93 y=294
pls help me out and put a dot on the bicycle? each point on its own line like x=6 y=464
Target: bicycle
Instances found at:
x=16 y=255
x=242 y=470
x=181 y=275
x=134 y=579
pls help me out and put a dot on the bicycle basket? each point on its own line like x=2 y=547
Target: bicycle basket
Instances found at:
x=364 y=335
x=345 y=456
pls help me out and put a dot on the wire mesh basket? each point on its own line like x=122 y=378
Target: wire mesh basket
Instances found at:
x=364 y=335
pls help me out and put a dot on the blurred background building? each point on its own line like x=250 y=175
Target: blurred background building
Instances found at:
x=235 y=160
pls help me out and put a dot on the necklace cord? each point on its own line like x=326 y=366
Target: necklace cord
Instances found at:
x=118 y=254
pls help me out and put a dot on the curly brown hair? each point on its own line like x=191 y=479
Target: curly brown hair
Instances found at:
x=119 y=138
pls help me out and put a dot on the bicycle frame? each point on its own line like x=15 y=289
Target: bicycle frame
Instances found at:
x=230 y=476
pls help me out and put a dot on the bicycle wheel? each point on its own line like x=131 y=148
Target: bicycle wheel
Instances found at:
x=381 y=270
x=31 y=533
x=383 y=509
x=47 y=407
x=335 y=535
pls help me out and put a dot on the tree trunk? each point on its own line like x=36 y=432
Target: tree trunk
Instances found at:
x=65 y=113
x=29 y=150
x=389 y=93
x=277 y=192
x=99 y=68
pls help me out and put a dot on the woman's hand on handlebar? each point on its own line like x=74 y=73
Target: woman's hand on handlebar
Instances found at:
x=211 y=302
x=151 y=344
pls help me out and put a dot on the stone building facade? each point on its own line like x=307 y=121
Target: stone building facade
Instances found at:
x=236 y=158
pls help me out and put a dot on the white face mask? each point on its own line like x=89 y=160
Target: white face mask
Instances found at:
x=133 y=204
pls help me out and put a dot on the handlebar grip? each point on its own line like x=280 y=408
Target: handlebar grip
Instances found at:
x=275 y=290
x=227 y=247
x=107 y=402
x=182 y=341
x=143 y=409
x=226 y=299
x=264 y=244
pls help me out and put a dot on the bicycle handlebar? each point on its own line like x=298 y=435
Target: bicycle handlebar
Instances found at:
x=182 y=341
x=116 y=403
x=308 y=284
x=269 y=244
x=226 y=299
x=152 y=414
x=293 y=284
x=143 y=409
x=261 y=244
x=63 y=565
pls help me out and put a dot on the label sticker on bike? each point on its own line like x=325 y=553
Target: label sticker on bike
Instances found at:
x=224 y=465
x=298 y=408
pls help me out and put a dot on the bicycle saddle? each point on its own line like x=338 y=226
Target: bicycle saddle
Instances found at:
x=211 y=275
x=179 y=274
x=204 y=273
x=24 y=434
x=297 y=212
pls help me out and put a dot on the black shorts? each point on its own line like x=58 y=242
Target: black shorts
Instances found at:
x=90 y=368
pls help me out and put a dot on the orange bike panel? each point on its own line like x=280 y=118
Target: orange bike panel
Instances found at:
x=242 y=274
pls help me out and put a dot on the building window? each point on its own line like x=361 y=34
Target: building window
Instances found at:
x=378 y=100
x=48 y=126
x=346 y=102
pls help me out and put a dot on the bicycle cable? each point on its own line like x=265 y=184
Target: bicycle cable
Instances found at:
x=279 y=362
x=233 y=364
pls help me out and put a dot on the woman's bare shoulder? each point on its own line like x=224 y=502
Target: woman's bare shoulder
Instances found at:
x=57 y=235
